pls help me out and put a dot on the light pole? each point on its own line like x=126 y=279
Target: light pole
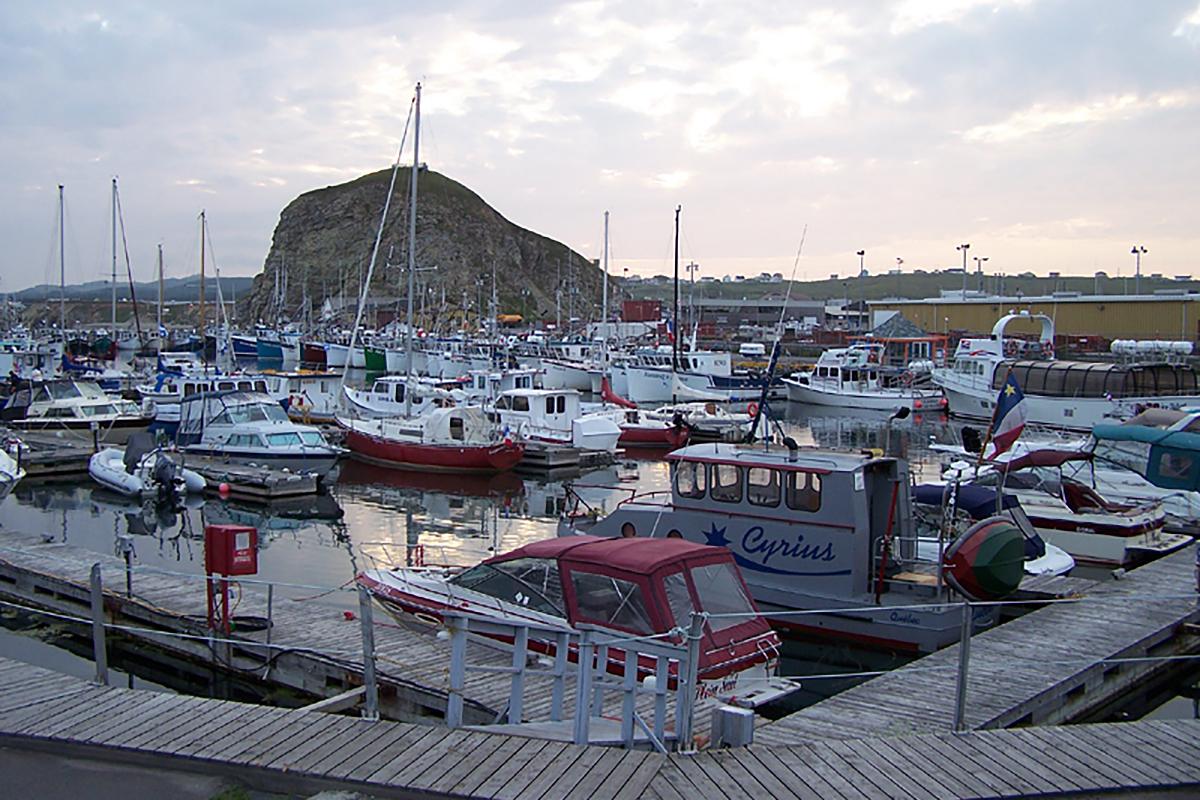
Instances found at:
x=1137 y=269
x=862 y=291
x=964 y=248
x=979 y=269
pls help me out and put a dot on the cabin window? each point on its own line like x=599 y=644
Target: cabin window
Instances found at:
x=679 y=598
x=691 y=479
x=763 y=486
x=549 y=405
x=59 y=412
x=726 y=483
x=562 y=403
x=721 y=592
x=399 y=392
x=225 y=385
x=456 y=428
x=189 y=389
x=244 y=386
x=283 y=439
x=803 y=491
x=502 y=404
x=530 y=582
x=260 y=386
x=520 y=403
x=611 y=601
x=312 y=438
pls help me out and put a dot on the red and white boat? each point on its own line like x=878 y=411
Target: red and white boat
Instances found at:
x=639 y=430
x=629 y=586
x=458 y=439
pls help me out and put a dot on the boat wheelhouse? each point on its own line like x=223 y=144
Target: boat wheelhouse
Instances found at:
x=306 y=396
x=555 y=416
x=251 y=428
x=75 y=407
x=856 y=377
x=822 y=530
x=161 y=398
x=630 y=587
x=1067 y=394
x=386 y=397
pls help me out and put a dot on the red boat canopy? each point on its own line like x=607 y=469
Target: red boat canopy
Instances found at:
x=1046 y=458
x=637 y=555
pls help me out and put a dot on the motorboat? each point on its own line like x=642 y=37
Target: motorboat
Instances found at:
x=1155 y=455
x=76 y=407
x=652 y=376
x=452 y=439
x=1073 y=515
x=11 y=471
x=937 y=505
x=307 y=396
x=818 y=530
x=1076 y=395
x=627 y=587
x=251 y=428
x=162 y=397
x=145 y=470
x=855 y=377
x=399 y=396
x=707 y=420
x=640 y=429
x=555 y=416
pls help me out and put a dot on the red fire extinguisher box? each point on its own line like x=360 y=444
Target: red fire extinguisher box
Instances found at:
x=230 y=550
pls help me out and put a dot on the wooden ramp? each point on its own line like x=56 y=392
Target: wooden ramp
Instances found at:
x=1053 y=665
x=281 y=750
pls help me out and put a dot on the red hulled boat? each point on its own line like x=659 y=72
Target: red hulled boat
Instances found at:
x=458 y=439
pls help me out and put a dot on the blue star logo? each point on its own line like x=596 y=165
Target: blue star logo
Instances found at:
x=716 y=537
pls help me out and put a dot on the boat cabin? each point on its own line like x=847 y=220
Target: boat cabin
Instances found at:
x=634 y=586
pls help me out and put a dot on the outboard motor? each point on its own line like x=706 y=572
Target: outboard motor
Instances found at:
x=165 y=473
x=136 y=448
x=970 y=440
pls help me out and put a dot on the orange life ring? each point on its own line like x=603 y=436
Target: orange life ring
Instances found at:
x=752 y=408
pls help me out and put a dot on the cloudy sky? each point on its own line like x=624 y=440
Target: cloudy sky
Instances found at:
x=1049 y=134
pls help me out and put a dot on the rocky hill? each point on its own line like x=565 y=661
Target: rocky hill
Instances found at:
x=324 y=238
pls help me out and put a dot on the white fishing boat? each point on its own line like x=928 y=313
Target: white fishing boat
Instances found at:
x=11 y=471
x=707 y=419
x=143 y=470
x=307 y=396
x=398 y=396
x=251 y=428
x=854 y=377
x=555 y=416
x=1068 y=394
x=451 y=439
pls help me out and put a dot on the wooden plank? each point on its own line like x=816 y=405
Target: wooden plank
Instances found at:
x=948 y=748
x=558 y=768
x=769 y=775
x=485 y=766
x=440 y=754
x=414 y=740
x=515 y=764
x=147 y=712
x=520 y=782
x=213 y=723
x=296 y=739
x=173 y=714
x=921 y=777
x=962 y=782
x=218 y=745
x=1135 y=736
x=1088 y=765
x=356 y=733
x=661 y=789
x=687 y=778
x=604 y=786
x=872 y=775
x=641 y=779
x=557 y=784
x=457 y=769
x=1015 y=772
x=58 y=711
x=809 y=767
x=1123 y=739
x=355 y=752
x=335 y=730
x=726 y=774
x=96 y=719
x=588 y=782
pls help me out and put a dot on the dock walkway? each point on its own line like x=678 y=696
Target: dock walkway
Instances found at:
x=1051 y=666
x=297 y=751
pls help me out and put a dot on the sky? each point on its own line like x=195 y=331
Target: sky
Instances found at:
x=1049 y=135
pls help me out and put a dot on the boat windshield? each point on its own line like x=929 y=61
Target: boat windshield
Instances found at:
x=312 y=438
x=721 y=592
x=283 y=439
x=100 y=410
x=611 y=601
x=259 y=412
x=530 y=582
x=62 y=390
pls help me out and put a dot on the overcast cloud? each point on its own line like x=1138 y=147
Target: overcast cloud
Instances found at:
x=1049 y=135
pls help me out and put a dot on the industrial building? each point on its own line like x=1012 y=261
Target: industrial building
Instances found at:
x=1169 y=316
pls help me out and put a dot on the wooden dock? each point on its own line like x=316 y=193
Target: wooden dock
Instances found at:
x=312 y=649
x=252 y=484
x=541 y=458
x=302 y=752
x=50 y=456
x=1058 y=664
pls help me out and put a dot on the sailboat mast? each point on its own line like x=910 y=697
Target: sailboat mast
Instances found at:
x=62 y=268
x=160 y=297
x=203 y=342
x=114 y=260
x=675 y=313
x=604 y=302
x=412 y=254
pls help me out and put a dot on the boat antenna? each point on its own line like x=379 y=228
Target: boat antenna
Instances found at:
x=62 y=270
x=675 y=312
x=137 y=322
x=775 y=348
x=362 y=295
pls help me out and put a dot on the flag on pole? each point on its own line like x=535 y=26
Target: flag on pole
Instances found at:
x=1009 y=418
x=671 y=330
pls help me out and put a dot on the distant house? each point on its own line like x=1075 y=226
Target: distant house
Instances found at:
x=739 y=278
x=708 y=279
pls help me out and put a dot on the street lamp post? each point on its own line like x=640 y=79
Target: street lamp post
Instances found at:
x=964 y=248
x=862 y=290
x=979 y=269
x=1137 y=268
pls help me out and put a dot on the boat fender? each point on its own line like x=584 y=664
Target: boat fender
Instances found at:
x=752 y=408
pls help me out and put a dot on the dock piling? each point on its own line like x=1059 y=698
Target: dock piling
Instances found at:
x=583 y=686
x=371 y=702
x=458 y=669
x=99 y=647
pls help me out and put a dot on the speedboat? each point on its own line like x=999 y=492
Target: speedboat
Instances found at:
x=455 y=439
x=77 y=407
x=627 y=587
x=251 y=428
x=1072 y=514
x=823 y=531
x=143 y=470
x=855 y=377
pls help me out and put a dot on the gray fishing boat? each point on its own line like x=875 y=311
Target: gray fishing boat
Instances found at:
x=818 y=530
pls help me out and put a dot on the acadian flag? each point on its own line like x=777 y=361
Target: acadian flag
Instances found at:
x=1009 y=418
x=671 y=330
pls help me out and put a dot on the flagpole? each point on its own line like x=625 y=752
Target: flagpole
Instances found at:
x=987 y=439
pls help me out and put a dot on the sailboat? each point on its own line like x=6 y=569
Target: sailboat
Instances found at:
x=447 y=439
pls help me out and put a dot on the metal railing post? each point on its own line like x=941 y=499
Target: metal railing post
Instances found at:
x=520 y=658
x=365 y=613
x=562 y=645
x=458 y=669
x=964 y=658
x=583 y=688
x=686 y=704
x=629 y=689
x=99 y=647
x=662 y=682
x=598 y=692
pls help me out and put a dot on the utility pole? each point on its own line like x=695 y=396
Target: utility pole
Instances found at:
x=964 y=248
x=1137 y=274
